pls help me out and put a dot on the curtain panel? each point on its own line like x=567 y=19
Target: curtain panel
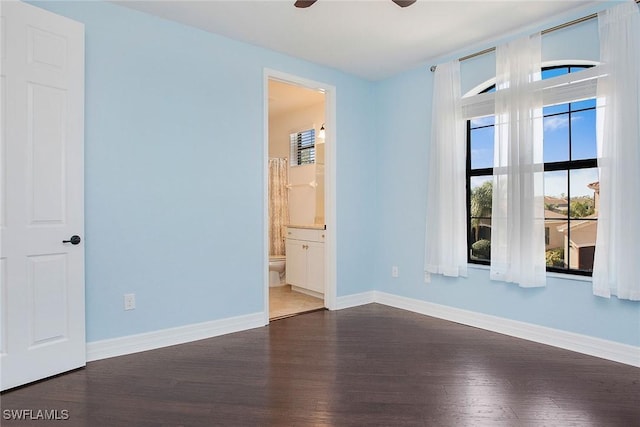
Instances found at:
x=615 y=270
x=517 y=227
x=445 y=235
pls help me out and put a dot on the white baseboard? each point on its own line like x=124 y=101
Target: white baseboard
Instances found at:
x=355 y=300
x=584 y=344
x=104 y=349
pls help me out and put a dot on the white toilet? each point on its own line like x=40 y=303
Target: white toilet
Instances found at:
x=277 y=270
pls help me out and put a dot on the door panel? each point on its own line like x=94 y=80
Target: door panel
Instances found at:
x=315 y=266
x=42 y=279
x=296 y=263
x=46 y=123
x=46 y=49
x=47 y=278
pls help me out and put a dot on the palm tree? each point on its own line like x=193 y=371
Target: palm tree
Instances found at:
x=481 y=200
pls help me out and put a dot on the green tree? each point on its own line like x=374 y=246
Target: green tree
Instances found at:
x=581 y=208
x=481 y=200
x=555 y=257
x=481 y=249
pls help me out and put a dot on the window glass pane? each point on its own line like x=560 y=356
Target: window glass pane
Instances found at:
x=483 y=121
x=555 y=109
x=555 y=214
x=584 y=192
x=556 y=208
x=480 y=217
x=554 y=234
x=481 y=238
x=578 y=68
x=556 y=204
x=556 y=138
x=583 y=135
x=481 y=196
x=554 y=72
x=580 y=244
x=482 y=147
x=581 y=105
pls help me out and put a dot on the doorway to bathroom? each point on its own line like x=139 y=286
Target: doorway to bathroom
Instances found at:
x=299 y=195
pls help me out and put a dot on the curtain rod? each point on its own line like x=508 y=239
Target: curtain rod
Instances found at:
x=547 y=31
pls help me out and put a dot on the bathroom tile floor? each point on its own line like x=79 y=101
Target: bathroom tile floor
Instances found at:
x=284 y=302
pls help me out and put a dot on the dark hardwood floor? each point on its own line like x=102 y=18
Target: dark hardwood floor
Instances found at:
x=365 y=366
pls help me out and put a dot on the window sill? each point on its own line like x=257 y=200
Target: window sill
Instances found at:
x=554 y=275
x=564 y=276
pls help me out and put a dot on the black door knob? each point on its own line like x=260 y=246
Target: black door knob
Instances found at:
x=74 y=240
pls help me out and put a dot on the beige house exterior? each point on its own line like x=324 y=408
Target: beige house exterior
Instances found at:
x=580 y=243
x=553 y=238
x=579 y=239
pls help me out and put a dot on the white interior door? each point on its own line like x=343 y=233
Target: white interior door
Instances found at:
x=42 y=322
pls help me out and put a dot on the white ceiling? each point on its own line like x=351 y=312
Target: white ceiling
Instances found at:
x=372 y=39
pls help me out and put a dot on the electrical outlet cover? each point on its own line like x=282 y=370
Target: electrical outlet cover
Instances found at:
x=129 y=301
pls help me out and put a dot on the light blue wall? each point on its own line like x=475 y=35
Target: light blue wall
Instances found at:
x=173 y=166
x=404 y=117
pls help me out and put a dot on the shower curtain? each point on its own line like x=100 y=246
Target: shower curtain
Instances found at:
x=278 y=204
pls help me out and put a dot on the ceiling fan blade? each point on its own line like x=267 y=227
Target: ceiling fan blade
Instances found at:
x=304 y=3
x=404 y=3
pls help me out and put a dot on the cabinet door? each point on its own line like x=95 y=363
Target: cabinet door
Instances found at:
x=296 y=266
x=315 y=266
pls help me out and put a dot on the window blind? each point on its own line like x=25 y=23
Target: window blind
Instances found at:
x=303 y=147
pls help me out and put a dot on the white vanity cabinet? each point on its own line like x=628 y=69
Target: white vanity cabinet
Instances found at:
x=305 y=259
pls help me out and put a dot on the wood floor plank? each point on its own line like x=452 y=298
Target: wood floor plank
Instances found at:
x=365 y=366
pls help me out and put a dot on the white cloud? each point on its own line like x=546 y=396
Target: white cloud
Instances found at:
x=482 y=121
x=558 y=122
x=555 y=122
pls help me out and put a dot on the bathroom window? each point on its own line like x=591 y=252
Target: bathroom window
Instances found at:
x=303 y=147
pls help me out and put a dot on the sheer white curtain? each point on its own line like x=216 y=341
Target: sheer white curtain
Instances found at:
x=446 y=241
x=517 y=227
x=615 y=269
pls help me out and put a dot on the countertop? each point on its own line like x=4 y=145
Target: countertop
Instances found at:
x=308 y=226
